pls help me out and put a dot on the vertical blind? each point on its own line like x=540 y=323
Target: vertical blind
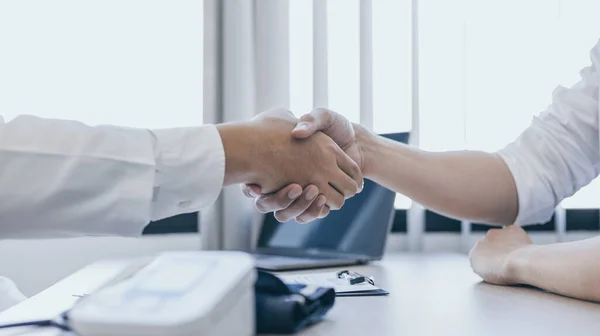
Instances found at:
x=485 y=68
x=353 y=56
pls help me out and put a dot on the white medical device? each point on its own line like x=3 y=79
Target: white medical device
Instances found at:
x=177 y=294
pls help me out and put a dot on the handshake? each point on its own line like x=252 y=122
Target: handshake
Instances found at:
x=296 y=168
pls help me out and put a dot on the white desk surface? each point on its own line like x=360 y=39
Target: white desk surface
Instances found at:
x=429 y=295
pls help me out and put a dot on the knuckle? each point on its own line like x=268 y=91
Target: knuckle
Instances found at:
x=356 y=171
x=310 y=117
x=326 y=116
x=281 y=202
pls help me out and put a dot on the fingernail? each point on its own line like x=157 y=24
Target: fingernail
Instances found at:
x=253 y=194
x=302 y=126
x=294 y=193
x=311 y=194
x=322 y=201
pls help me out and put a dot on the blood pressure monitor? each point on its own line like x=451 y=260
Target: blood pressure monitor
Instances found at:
x=177 y=294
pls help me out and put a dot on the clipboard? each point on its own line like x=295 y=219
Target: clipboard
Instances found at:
x=345 y=283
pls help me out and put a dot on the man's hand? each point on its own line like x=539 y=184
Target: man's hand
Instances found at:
x=491 y=256
x=334 y=125
x=263 y=153
x=292 y=201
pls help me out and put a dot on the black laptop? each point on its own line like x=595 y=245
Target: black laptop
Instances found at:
x=355 y=234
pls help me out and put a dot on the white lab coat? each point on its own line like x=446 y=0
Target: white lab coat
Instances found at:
x=64 y=179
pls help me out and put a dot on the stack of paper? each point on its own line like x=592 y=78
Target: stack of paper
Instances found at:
x=342 y=287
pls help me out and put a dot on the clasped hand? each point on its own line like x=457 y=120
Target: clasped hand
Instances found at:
x=309 y=166
x=325 y=139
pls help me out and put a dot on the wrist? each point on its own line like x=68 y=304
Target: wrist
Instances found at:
x=518 y=265
x=238 y=140
x=368 y=145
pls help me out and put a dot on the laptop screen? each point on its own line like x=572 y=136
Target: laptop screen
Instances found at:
x=360 y=227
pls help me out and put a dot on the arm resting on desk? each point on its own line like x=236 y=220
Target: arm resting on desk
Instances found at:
x=570 y=269
x=508 y=257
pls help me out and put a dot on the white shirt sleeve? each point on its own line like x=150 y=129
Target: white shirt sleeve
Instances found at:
x=62 y=178
x=559 y=153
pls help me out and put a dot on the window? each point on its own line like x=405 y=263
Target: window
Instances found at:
x=487 y=67
x=483 y=69
x=131 y=63
x=135 y=63
x=337 y=25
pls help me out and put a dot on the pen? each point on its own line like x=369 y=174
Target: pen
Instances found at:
x=355 y=278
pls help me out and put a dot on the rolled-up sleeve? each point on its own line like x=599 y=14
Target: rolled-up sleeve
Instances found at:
x=559 y=152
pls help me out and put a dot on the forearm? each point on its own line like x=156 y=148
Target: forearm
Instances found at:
x=570 y=269
x=469 y=185
x=239 y=145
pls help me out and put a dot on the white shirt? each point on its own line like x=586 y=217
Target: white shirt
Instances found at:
x=64 y=179
x=560 y=152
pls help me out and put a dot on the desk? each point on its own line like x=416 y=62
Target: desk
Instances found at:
x=430 y=295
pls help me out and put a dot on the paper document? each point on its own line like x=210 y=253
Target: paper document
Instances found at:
x=330 y=279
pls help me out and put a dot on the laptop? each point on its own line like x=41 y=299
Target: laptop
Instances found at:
x=353 y=235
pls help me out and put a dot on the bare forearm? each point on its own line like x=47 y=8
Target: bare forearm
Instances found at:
x=468 y=185
x=570 y=269
x=239 y=141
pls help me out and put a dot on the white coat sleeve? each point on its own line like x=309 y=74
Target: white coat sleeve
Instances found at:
x=559 y=153
x=63 y=178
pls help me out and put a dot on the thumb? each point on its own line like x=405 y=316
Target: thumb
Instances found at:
x=319 y=119
x=251 y=190
x=306 y=126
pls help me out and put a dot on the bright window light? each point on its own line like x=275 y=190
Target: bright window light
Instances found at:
x=135 y=63
x=344 y=57
x=301 y=56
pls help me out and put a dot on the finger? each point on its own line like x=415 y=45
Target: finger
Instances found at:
x=348 y=166
x=251 y=190
x=279 y=200
x=492 y=234
x=300 y=205
x=335 y=200
x=317 y=120
x=344 y=184
x=313 y=212
x=325 y=212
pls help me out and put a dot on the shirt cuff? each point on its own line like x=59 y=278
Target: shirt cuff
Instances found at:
x=190 y=169
x=530 y=210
